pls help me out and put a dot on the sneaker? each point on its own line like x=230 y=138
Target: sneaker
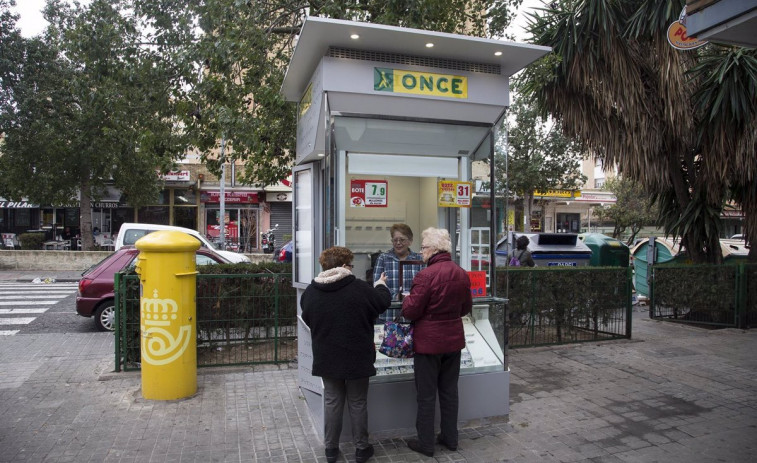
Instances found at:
x=415 y=446
x=440 y=440
x=363 y=455
x=332 y=455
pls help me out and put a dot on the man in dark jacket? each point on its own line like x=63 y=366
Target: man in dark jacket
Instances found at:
x=438 y=300
x=340 y=310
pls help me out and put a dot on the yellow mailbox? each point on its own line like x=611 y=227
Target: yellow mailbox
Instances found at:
x=167 y=311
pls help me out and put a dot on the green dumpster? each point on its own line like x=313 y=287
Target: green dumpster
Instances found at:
x=667 y=251
x=606 y=251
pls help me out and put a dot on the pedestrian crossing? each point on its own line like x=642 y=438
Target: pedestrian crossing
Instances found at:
x=22 y=302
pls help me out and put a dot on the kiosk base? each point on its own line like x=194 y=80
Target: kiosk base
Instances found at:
x=392 y=405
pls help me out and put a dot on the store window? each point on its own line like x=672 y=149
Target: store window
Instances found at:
x=22 y=218
x=159 y=215
x=240 y=227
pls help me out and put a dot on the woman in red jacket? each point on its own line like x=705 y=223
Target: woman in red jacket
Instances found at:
x=438 y=300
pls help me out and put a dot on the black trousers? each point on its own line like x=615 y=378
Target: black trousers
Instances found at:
x=436 y=373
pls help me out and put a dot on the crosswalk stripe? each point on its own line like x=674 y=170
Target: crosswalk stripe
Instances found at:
x=16 y=295
x=17 y=321
x=22 y=311
x=27 y=302
x=37 y=287
x=29 y=299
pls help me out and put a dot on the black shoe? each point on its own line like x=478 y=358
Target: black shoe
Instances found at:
x=363 y=455
x=332 y=455
x=440 y=440
x=415 y=446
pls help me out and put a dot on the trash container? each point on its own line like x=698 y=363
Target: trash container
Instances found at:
x=667 y=251
x=734 y=251
x=559 y=250
x=606 y=251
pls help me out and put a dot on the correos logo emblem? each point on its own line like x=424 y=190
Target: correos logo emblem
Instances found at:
x=419 y=83
x=164 y=339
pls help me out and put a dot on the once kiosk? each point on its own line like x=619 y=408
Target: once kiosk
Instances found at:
x=390 y=123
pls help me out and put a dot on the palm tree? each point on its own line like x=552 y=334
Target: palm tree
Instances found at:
x=680 y=123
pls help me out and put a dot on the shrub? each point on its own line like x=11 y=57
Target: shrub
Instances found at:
x=31 y=240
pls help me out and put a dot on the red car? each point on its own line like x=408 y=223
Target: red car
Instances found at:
x=95 y=297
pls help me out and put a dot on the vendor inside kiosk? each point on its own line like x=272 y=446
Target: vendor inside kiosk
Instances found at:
x=391 y=121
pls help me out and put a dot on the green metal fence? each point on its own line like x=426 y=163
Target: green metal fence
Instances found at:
x=252 y=319
x=566 y=305
x=716 y=295
x=241 y=320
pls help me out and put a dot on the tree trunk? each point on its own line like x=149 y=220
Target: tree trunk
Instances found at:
x=85 y=218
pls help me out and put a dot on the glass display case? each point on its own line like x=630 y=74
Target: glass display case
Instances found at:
x=484 y=345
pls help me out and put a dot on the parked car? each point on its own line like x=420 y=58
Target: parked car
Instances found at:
x=285 y=253
x=738 y=236
x=95 y=296
x=131 y=232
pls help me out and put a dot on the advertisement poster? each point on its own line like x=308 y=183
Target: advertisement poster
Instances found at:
x=368 y=193
x=477 y=284
x=454 y=194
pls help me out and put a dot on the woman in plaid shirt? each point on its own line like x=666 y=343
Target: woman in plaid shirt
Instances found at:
x=389 y=262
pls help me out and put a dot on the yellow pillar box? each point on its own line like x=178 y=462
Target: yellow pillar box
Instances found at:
x=167 y=310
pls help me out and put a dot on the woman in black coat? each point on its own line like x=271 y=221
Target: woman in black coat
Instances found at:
x=340 y=310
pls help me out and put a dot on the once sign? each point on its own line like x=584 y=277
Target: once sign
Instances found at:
x=419 y=83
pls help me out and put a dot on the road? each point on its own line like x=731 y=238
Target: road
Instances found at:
x=27 y=308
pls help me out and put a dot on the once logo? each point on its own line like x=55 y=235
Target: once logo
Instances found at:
x=419 y=83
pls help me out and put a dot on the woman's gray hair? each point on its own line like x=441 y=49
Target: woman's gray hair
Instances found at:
x=438 y=239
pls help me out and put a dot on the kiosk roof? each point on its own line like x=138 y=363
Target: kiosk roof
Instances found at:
x=319 y=34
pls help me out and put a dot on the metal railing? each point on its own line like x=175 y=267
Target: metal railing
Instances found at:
x=566 y=305
x=242 y=319
x=252 y=319
x=716 y=295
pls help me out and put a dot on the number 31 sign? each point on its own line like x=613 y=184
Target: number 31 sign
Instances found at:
x=454 y=194
x=368 y=193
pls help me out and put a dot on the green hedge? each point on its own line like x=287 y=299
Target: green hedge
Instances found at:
x=554 y=305
x=31 y=241
x=243 y=315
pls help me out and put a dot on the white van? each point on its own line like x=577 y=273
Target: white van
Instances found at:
x=131 y=232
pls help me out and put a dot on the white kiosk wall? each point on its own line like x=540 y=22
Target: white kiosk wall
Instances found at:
x=356 y=125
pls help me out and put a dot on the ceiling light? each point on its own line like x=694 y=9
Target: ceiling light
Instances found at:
x=497 y=53
x=429 y=45
x=354 y=36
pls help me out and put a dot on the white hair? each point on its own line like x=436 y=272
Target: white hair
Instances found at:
x=437 y=239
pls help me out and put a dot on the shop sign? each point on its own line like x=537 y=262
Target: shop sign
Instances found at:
x=419 y=83
x=106 y=205
x=17 y=205
x=477 y=283
x=558 y=193
x=175 y=176
x=594 y=197
x=368 y=193
x=677 y=37
x=454 y=194
x=230 y=197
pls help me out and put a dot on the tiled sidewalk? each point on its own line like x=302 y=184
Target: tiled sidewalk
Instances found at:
x=672 y=394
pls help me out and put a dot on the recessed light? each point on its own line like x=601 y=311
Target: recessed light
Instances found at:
x=354 y=36
x=497 y=53
x=429 y=45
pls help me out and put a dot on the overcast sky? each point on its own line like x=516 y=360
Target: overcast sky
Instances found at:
x=31 y=22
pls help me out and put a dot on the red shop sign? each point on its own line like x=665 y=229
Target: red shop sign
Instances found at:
x=231 y=197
